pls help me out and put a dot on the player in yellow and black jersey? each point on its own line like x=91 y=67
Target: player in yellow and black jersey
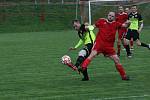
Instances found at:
x=134 y=30
x=87 y=38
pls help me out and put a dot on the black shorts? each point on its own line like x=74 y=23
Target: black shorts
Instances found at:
x=88 y=48
x=132 y=34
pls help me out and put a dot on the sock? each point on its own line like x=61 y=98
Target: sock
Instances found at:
x=119 y=48
x=85 y=74
x=79 y=61
x=131 y=43
x=85 y=63
x=121 y=71
x=128 y=49
x=71 y=66
x=144 y=45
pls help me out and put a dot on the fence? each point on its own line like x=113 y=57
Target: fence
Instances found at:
x=19 y=16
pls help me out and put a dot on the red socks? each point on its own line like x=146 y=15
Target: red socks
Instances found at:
x=85 y=63
x=131 y=43
x=120 y=69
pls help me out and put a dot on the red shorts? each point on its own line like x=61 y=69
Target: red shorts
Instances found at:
x=122 y=33
x=105 y=50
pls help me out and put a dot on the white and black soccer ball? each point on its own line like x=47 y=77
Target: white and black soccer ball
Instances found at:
x=66 y=59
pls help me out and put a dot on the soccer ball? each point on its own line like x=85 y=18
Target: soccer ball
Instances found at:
x=66 y=59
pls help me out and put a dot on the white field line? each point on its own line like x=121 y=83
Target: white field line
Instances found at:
x=103 y=98
x=126 y=97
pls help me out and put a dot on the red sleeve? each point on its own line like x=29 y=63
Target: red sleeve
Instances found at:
x=118 y=24
x=98 y=22
x=117 y=17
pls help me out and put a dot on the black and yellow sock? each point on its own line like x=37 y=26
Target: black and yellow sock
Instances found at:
x=79 y=61
x=128 y=49
x=144 y=45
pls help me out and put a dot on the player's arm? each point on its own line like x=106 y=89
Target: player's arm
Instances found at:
x=140 y=20
x=77 y=45
x=94 y=25
x=141 y=26
x=88 y=27
x=126 y=24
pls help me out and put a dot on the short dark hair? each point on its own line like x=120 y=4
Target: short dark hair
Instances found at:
x=75 y=20
x=120 y=6
x=133 y=5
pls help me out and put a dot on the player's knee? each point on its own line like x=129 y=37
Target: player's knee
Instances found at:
x=116 y=59
x=92 y=54
x=126 y=42
x=138 y=43
x=82 y=53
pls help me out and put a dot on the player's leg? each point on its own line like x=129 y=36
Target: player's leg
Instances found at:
x=85 y=75
x=118 y=46
x=81 y=57
x=121 y=36
x=131 y=40
x=119 y=67
x=119 y=42
x=127 y=47
x=139 y=43
x=88 y=59
x=72 y=66
x=83 y=54
x=131 y=43
x=94 y=52
x=84 y=65
x=124 y=43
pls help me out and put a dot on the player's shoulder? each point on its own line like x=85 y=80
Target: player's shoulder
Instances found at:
x=115 y=22
x=130 y=14
x=125 y=13
x=102 y=20
x=90 y=27
x=138 y=14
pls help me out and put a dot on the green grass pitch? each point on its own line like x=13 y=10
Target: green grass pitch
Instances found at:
x=30 y=69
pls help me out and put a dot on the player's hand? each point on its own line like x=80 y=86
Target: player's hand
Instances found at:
x=72 y=48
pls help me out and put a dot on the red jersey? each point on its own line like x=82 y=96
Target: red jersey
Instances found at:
x=107 y=31
x=121 y=17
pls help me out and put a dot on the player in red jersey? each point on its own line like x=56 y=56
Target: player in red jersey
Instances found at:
x=104 y=42
x=121 y=17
